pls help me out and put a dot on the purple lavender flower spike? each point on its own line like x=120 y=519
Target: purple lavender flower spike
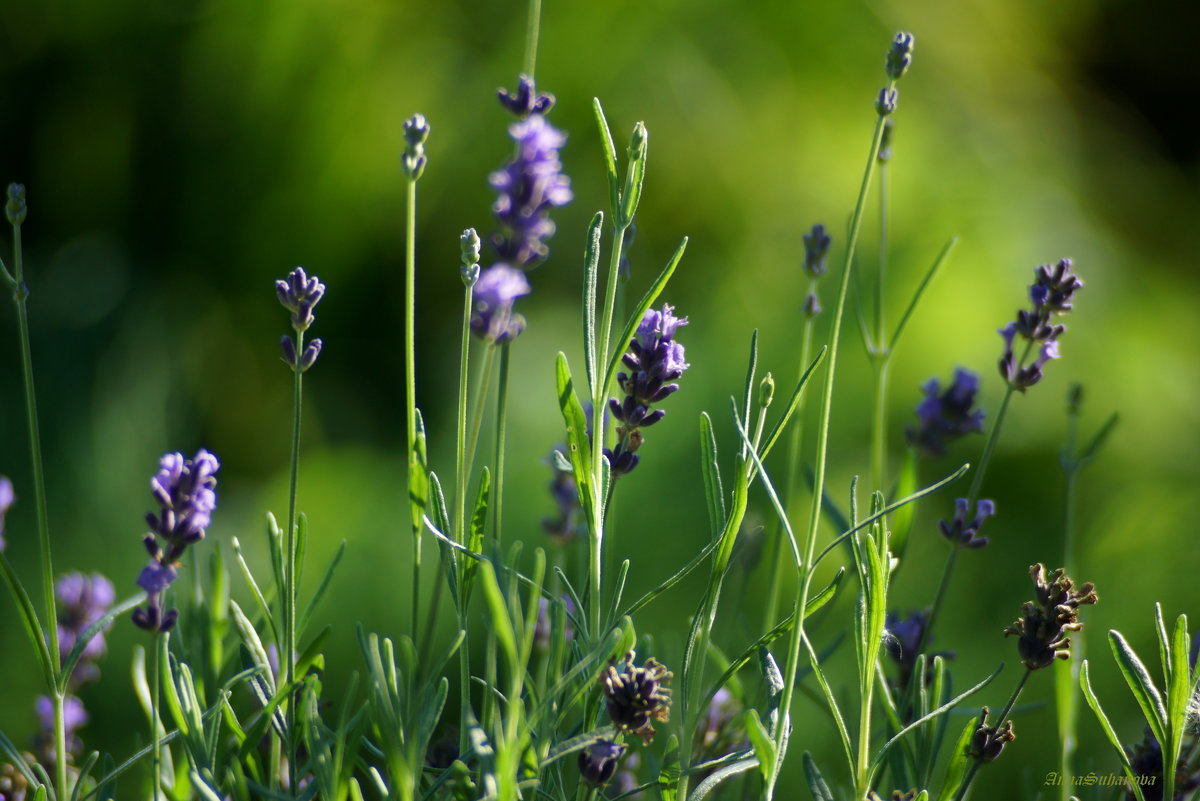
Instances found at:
x=525 y=100
x=816 y=248
x=946 y=416
x=82 y=600
x=300 y=293
x=529 y=186
x=494 y=293
x=655 y=360
x=964 y=533
x=74 y=717
x=186 y=491
x=1052 y=293
x=7 y=497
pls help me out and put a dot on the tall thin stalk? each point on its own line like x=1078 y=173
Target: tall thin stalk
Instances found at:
x=410 y=382
x=290 y=567
x=806 y=571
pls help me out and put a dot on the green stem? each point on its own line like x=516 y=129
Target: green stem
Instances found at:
x=1067 y=724
x=806 y=571
x=792 y=487
x=410 y=382
x=460 y=502
x=291 y=569
x=879 y=423
x=483 y=383
x=501 y=421
x=599 y=391
x=531 y=36
x=880 y=342
x=962 y=793
x=156 y=690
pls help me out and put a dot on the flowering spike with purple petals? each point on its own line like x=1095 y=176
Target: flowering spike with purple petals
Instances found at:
x=185 y=489
x=1051 y=293
x=946 y=416
x=492 y=316
x=655 y=360
x=82 y=600
x=816 y=248
x=300 y=293
x=964 y=533
x=529 y=186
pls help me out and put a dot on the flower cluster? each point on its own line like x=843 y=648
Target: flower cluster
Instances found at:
x=185 y=490
x=416 y=131
x=945 y=416
x=564 y=526
x=988 y=741
x=637 y=695
x=300 y=293
x=74 y=716
x=492 y=316
x=655 y=361
x=529 y=186
x=963 y=533
x=816 y=249
x=82 y=600
x=1051 y=294
x=899 y=58
x=7 y=498
x=1146 y=760
x=1042 y=629
x=598 y=762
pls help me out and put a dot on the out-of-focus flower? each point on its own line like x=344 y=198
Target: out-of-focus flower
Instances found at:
x=7 y=498
x=541 y=629
x=1146 y=762
x=964 y=533
x=598 y=762
x=493 y=295
x=74 y=716
x=901 y=644
x=988 y=741
x=82 y=600
x=529 y=186
x=945 y=416
x=525 y=100
x=816 y=248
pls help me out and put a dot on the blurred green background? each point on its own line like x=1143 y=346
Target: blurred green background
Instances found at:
x=180 y=155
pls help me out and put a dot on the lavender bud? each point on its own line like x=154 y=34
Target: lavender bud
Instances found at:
x=311 y=352
x=886 y=103
x=525 y=100
x=470 y=246
x=15 y=207
x=300 y=293
x=598 y=762
x=900 y=55
x=965 y=534
x=812 y=307
x=766 y=391
x=988 y=741
x=816 y=248
x=946 y=416
x=288 y=348
x=1074 y=399
x=416 y=131
x=469 y=273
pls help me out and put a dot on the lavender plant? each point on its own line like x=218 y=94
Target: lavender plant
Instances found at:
x=539 y=663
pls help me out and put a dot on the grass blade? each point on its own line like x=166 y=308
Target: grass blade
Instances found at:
x=640 y=310
x=1140 y=684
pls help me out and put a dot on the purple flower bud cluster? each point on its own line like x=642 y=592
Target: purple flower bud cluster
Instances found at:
x=636 y=696
x=7 y=499
x=816 y=248
x=1051 y=294
x=15 y=208
x=1042 y=629
x=655 y=360
x=529 y=186
x=300 y=293
x=963 y=533
x=74 y=717
x=946 y=416
x=901 y=644
x=525 y=100
x=185 y=490
x=988 y=741
x=416 y=131
x=598 y=762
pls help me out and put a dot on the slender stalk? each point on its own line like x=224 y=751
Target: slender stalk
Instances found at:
x=483 y=385
x=501 y=420
x=1066 y=725
x=883 y=366
x=792 y=487
x=410 y=381
x=531 y=35
x=883 y=240
x=156 y=690
x=962 y=793
x=20 y=294
x=806 y=571
x=599 y=391
x=460 y=506
x=291 y=568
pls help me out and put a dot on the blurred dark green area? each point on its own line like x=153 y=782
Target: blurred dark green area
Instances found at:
x=179 y=156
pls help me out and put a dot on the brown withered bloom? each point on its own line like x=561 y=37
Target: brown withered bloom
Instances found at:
x=1042 y=629
x=636 y=695
x=988 y=741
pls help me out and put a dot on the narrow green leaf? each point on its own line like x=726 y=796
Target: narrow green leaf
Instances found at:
x=956 y=768
x=591 y=270
x=476 y=529
x=610 y=158
x=313 y=655
x=1140 y=684
x=29 y=619
x=713 y=491
x=1097 y=442
x=1179 y=695
x=751 y=387
x=576 y=744
x=578 y=447
x=254 y=646
x=319 y=593
x=1089 y=695
x=929 y=276
x=632 y=194
x=816 y=782
x=640 y=310
x=91 y=631
x=668 y=774
x=760 y=740
x=263 y=606
x=418 y=476
x=1164 y=643
x=501 y=622
x=720 y=775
